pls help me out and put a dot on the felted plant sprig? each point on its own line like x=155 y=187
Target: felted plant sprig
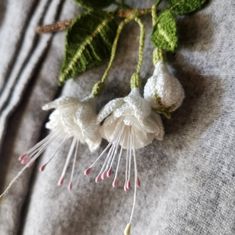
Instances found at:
x=128 y=123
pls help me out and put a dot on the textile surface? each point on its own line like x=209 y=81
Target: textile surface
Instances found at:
x=188 y=179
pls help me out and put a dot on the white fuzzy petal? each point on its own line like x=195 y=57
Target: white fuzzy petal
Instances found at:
x=109 y=108
x=142 y=139
x=139 y=105
x=132 y=124
x=60 y=102
x=75 y=118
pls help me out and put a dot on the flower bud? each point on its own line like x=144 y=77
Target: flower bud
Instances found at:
x=163 y=91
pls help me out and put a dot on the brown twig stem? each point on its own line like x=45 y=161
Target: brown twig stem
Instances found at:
x=63 y=25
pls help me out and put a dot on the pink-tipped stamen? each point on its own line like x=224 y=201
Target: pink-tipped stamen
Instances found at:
x=102 y=154
x=73 y=166
x=18 y=175
x=109 y=173
x=110 y=156
x=42 y=167
x=128 y=185
x=38 y=148
x=103 y=175
x=36 y=151
x=88 y=171
x=97 y=178
x=24 y=159
x=138 y=183
x=23 y=156
x=70 y=186
x=61 y=181
x=115 y=183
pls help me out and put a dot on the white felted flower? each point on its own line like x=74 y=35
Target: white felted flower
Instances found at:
x=127 y=124
x=131 y=112
x=163 y=91
x=72 y=119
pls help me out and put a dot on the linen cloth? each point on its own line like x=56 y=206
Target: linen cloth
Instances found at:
x=188 y=185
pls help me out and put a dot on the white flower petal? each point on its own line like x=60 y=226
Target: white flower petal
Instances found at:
x=93 y=144
x=75 y=118
x=142 y=139
x=109 y=108
x=140 y=106
x=110 y=128
x=61 y=102
x=123 y=110
x=132 y=124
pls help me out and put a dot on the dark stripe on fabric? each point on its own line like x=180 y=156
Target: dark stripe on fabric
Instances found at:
x=36 y=39
x=13 y=59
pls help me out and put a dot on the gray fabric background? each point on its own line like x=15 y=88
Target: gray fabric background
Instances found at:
x=188 y=185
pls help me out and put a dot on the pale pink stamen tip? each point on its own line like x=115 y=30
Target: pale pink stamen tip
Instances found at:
x=125 y=188
x=97 y=179
x=128 y=185
x=22 y=157
x=42 y=168
x=70 y=186
x=109 y=172
x=138 y=183
x=87 y=171
x=103 y=175
x=60 y=182
x=115 y=183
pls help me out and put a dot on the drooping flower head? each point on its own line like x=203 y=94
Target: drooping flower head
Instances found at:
x=128 y=124
x=163 y=91
x=72 y=119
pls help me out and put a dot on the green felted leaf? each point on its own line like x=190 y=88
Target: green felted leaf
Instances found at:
x=94 y=4
x=182 y=7
x=164 y=35
x=88 y=43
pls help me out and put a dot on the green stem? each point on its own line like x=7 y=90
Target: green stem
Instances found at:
x=135 y=79
x=154 y=14
x=114 y=48
x=98 y=87
x=157 y=53
x=141 y=44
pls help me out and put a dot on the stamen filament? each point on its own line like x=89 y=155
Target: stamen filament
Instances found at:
x=104 y=164
x=44 y=142
x=127 y=164
x=114 y=184
x=19 y=174
x=61 y=180
x=114 y=153
x=129 y=173
x=42 y=167
x=98 y=158
x=73 y=167
x=136 y=179
x=108 y=162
